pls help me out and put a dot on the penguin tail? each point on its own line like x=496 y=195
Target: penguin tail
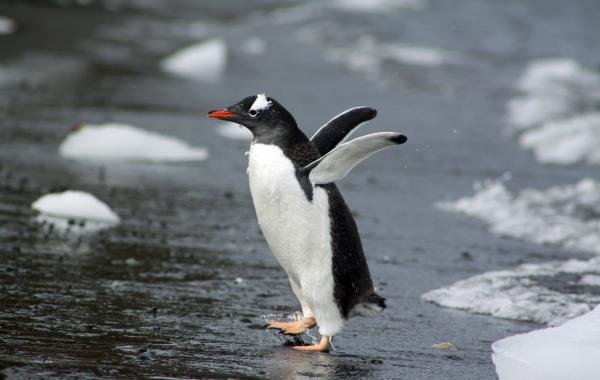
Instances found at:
x=369 y=306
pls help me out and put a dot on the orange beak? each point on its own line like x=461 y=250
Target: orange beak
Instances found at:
x=221 y=114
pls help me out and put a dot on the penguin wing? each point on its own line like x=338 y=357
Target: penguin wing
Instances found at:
x=336 y=164
x=338 y=129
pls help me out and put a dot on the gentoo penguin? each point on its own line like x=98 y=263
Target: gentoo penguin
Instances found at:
x=302 y=214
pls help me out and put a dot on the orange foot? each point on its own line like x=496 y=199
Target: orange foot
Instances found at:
x=293 y=328
x=323 y=346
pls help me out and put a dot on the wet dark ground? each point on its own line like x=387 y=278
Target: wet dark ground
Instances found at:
x=181 y=288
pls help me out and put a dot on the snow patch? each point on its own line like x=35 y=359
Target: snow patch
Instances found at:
x=234 y=132
x=122 y=142
x=570 y=351
x=204 y=61
x=543 y=293
x=566 y=141
x=567 y=215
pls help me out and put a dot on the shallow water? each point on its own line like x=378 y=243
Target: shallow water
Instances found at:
x=181 y=288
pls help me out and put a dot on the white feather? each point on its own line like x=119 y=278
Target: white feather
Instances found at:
x=260 y=103
x=297 y=231
x=336 y=164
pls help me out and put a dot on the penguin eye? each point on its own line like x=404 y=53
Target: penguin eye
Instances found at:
x=253 y=113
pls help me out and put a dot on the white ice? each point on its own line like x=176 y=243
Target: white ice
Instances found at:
x=566 y=141
x=528 y=292
x=122 y=142
x=75 y=204
x=378 y=6
x=204 y=61
x=570 y=351
x=7 y=25
x=369 y=55
x=553 y=88
x=234 y=132
x=563 y=215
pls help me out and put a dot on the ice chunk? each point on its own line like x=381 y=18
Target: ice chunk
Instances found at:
x=7 y=25
x=543 y=293
x=378 y=6
x=553 y=88
x=368 y=56
x=570 y=351
x=233 y=132
x=122 y=142
x=204 y=61
x=566 y=215
x=566 y=141
x=75 y=204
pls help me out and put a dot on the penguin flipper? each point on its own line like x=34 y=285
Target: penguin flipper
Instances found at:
x=338 y=129
x=336 y=164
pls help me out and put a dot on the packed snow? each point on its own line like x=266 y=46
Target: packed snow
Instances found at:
x=75 y=209
x=548 y=293
x=567 y=215
x=7 y=25
x=204 y=61
x=234 y=132
x=570 y=351
x=122 y=142
x=566 y=141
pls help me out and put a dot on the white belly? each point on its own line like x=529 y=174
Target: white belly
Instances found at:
x=297 y=230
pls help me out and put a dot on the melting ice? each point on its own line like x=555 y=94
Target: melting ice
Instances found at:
x=122 y=142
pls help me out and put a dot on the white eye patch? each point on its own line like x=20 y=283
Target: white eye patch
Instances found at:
x=260 y=103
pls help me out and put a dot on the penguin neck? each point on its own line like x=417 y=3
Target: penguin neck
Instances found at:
x=292 y=141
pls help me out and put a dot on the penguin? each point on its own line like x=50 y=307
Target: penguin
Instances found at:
x=302 y=214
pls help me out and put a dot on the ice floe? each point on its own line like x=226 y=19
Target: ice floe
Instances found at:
x=553 y=88
x=369 y=55
x=7 y=25
x=548 y=293
x=74 y=211
x=234 y=132
x=378 y=6
x=570 y=351
x=122 y=142
x=204 y=61
x=566 y=141
x=567 y=215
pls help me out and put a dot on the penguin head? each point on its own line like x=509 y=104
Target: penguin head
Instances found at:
x=261 y=114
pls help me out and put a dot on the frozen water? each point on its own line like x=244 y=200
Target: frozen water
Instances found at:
x=204 y=61
x=566 y=141
x=369 y=55
x=529 y=292
x=570 y=351
x=122 y=142
x=75 y=204
x=567 y=215
x=553 y=88
x=378 y=6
